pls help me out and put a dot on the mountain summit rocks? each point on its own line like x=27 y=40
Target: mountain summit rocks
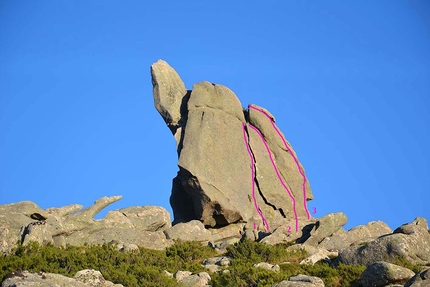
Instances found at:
x=234 y=163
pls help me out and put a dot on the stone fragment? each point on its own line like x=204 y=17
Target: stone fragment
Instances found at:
x=383 y=273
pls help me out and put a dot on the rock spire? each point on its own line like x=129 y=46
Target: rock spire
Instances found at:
x=235 y=165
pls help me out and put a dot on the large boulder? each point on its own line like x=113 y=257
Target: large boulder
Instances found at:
x=235 y=165
x=410 y=241
x=383 y=273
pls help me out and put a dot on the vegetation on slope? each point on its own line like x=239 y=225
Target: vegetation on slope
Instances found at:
x=146 y=267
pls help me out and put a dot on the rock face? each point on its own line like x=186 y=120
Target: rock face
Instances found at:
x=234 y=164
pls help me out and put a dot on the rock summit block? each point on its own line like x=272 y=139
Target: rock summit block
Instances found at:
x=234 y=163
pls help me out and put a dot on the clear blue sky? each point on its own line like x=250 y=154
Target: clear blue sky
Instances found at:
x=348 y=82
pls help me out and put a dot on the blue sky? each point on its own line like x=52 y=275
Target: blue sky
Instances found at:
x=348 y=82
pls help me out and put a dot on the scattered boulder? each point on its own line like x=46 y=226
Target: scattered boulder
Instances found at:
x=315 y=254
x=216 y=136
x=268 y=266
x=214 y=264
x=93 y=278
x=187 y=279
x=301 y=281
x=84 y=278
x=383 y=273
x=421 y=279
x=410 y=241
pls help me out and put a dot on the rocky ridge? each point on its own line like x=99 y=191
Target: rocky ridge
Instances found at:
x=228 y=188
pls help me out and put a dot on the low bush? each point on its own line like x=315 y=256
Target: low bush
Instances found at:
x=144 y=267
x=141 y=267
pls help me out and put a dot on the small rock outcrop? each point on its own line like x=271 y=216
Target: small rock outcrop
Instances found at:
x=301 y=281
x=359 y=234
x=142 y=226
x=84 y=278
x=410 y=241
x=235 y=165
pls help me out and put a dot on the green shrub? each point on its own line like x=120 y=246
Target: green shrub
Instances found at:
x=256 y=252
x=133 y=268
x=145 y=267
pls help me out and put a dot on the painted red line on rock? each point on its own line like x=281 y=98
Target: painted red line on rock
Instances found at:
x=266 y=225
x=291 y=153
x=279 y=175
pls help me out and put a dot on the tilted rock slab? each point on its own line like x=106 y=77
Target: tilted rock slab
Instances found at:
x=219 y=145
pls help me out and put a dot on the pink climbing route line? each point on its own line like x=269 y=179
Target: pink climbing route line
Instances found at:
x=266 y=225
x=279 y=175
x=291 y=153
